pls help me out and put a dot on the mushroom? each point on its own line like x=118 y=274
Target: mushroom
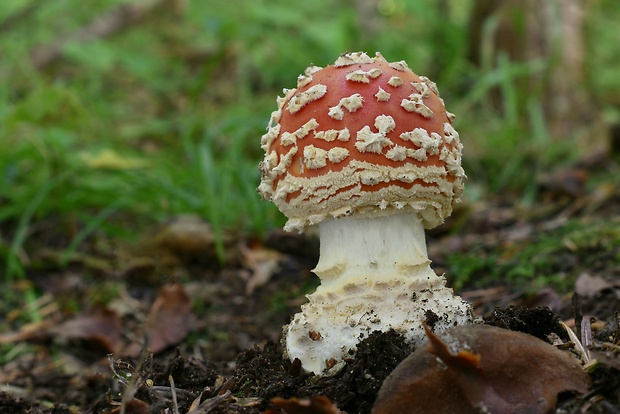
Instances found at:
x=365 y=149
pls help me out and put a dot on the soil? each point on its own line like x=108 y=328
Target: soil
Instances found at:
x=214 y=327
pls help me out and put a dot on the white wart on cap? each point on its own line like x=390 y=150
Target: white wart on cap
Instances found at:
x=364 y=137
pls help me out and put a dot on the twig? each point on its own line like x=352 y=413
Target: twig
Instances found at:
x=210 y=404
x=175 y=405
x=585 y=357
x=586 y=336
x=105 y=25
x=133 y=385
x=578 y=316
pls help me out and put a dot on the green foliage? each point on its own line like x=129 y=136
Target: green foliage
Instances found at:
x=9 y=352
x=604 y=36
x=554 y=258
x=165 y=117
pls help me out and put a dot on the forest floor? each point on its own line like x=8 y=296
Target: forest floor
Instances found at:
x=213 y=327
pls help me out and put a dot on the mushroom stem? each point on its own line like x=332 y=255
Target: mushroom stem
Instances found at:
x=381 y=249
x=375 y=276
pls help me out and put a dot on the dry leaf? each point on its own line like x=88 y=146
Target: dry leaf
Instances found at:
x=168 y=322
x=186 y=239
x=467 y=369
x=169 y=318
x=588 y=286
x=569 y=182
x=100 y=326
x=262 y=264
x=29 y=332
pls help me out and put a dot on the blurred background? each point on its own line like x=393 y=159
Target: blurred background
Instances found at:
x=118 y=115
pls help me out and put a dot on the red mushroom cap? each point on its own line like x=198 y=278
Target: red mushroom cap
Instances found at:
x=365 y=137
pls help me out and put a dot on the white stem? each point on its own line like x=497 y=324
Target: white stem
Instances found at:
x=375 y=276
x=384 y=248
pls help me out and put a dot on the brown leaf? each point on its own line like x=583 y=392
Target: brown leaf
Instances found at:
x=262 y=264
x=169 y=318
x=467 y=369
x=569 y=182
x=168 y=322
x=312 y=405
x=100 y=326
x=185 y=239
x=31 y=332
x=545 y=297
x=588 y=285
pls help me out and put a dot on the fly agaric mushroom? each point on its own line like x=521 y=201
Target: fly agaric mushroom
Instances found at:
x=366 y=149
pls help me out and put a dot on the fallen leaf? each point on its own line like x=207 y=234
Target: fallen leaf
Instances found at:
x=545 y=297
x=570 y=182
x=480 y=368
x=168 y=322
x=30 y=332
x=100 y=326
x=588 y=285
x=312 y=405
x=186 y=239
x=262 y=264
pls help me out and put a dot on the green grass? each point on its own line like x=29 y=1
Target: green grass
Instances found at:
x=165 y=118
x=546 y=259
